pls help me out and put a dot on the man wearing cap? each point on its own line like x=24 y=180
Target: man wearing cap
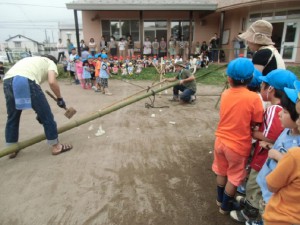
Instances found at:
x=187 y=84
x=266 y=57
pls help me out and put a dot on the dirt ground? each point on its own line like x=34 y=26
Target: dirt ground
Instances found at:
x=143 y=171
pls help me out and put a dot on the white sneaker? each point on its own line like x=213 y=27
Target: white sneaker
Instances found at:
x=174 y=99
x=193 y=98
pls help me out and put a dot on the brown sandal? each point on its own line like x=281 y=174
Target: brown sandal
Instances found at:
x=14 y=154
x=64 y=148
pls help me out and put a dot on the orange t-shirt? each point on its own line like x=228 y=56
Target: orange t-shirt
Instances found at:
x=284 y=204
x=238 y=108
x=97 y=68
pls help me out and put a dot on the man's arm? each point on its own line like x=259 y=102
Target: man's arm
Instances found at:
x=171 y=79
x=53 y=83
x=189 y=79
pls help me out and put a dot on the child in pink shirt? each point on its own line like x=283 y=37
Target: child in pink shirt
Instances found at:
x=78 y=67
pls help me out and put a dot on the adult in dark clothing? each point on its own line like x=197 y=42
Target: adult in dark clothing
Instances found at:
x=187 y=84
x=214 y=43
x=266 y=57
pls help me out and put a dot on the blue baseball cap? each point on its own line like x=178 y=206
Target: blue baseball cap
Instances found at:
x=297 y=85
x=103 y=56
x=292 y=94
x=279 y=79
x=240 y=69
x=90 y=57
x=255 y=82
x=77 y=57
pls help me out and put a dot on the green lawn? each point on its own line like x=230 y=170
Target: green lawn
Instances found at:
x=214 y=75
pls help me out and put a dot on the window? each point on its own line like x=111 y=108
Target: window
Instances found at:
x=291 y=29
x=280 y=15
x=18 y=44
x=119 y=29
x=181 y=28
x=293 y=14
x=267 y=16
x=156 y=29
x=254 y=17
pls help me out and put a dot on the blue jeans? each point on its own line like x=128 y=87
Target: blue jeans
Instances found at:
x=39 y=105
x=186 y=93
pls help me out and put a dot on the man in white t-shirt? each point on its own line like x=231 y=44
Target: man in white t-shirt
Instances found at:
x=61 y=50
x=22 y=91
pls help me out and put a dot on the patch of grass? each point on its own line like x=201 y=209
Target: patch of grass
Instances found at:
x=295 y=70
x=215 y=77
x=61 y=73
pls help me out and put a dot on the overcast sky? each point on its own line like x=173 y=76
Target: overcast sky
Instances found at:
x=34 y=19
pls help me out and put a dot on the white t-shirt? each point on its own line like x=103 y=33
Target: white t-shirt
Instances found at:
x=147 y=47
x=34 y=68
x=122 y=45
x=60 y=47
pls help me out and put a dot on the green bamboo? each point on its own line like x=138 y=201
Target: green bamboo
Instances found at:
x=75 y=123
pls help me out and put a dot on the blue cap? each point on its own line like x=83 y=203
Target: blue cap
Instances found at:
x=240 y=69
x=255 y=82
x=292 y=94
x=297 y=85
x=90 y=57
x=103 y=56
x=279 y=79
x=77 y=57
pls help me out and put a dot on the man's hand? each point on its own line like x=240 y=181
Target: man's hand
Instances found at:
x=181 y=82
x=61 y=103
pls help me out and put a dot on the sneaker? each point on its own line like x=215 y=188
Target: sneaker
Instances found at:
x=94 y=88
x=254 y=222
x=241 y=189
x=97 y=90
x=248 y=213
x=241 y=201
x=238 y=216
x=193 y=98
x=174 y=99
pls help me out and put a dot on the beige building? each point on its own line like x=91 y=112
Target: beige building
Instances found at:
x=195 y=20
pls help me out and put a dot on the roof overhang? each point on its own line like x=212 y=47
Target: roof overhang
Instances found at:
x=140 y=7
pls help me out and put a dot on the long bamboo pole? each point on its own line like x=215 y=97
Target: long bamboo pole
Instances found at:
x=23 y=144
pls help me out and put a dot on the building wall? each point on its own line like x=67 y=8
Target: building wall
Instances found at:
x=66 y=33
x=204 y=28
x=236 y=20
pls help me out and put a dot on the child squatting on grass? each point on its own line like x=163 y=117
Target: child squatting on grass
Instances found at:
x=240 y=110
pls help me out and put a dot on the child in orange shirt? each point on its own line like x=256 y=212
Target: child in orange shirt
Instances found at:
x=97 y=72
x=284 y=181
x=240 y=110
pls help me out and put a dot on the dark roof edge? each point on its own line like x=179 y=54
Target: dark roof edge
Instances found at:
x=134 y=7
x=24 y=37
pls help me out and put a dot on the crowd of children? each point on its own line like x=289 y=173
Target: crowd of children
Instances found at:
x=88 y=71
x=273 y=186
